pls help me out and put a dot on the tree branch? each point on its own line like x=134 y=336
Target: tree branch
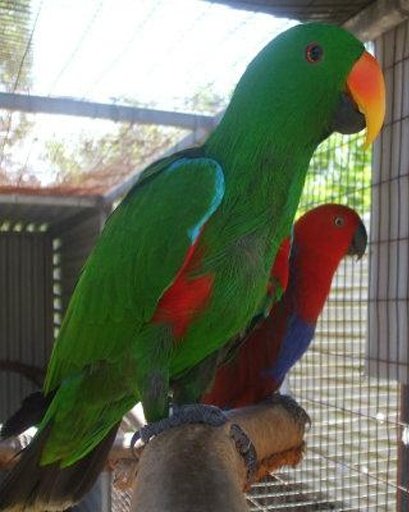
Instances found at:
x=197 y=467
x=30 y=372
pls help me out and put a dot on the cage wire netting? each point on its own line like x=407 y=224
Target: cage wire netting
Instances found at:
x=352 y=455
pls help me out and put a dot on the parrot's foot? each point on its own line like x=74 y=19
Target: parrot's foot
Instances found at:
x=299 y=414
x=204 y=414
x=182 y=415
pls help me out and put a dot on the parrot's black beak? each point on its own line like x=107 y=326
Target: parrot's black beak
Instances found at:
x=347 y=118
x=359 y=242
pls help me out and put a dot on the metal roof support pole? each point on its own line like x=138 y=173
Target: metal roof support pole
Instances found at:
x=113 y=112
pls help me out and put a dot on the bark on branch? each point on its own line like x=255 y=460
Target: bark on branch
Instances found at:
x=197 y=467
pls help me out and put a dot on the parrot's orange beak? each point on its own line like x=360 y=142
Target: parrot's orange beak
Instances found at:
x=366 y=86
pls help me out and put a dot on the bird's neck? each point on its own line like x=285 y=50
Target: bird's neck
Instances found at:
x=309 y=286
x=265 y=171
x=262 y=142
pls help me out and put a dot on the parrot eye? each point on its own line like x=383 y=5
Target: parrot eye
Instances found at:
x=313 y=53
x=339 y=221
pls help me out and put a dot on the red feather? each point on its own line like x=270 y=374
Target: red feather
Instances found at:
x=239 y=383
x=187 y=296
x=280 y=270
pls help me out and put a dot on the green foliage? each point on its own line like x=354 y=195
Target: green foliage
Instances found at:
x=107 y=157
x=15 y=69
x=340 y=171
x=15 y=50
x=206 y=101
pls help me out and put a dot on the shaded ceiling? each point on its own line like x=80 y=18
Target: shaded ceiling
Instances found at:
x=334 y=11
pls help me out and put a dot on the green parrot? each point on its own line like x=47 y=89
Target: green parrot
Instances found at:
x=184 y=262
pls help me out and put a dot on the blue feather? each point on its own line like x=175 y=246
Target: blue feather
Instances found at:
x=219 y=187
x=298 y=336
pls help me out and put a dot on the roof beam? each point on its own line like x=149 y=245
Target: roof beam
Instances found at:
x=113 y=112
x=48 y=199
x=378 y=18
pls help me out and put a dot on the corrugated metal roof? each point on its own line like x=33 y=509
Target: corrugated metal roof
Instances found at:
x=333 y=11
x=18 y=211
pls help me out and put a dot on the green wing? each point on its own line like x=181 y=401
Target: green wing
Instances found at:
x=137 y=257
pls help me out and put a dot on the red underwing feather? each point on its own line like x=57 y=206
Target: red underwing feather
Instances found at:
x=187 y=296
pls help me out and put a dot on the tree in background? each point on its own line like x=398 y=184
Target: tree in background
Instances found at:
x=15 y=75
x=100 y=161
x=340 y=171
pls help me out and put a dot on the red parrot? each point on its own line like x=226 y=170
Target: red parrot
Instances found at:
x=321 y=238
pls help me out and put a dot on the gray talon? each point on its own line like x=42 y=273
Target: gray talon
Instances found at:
x=246 y=449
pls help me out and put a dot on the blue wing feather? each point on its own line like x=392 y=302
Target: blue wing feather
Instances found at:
x=297 y=338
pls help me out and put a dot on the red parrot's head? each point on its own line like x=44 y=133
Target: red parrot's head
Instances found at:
x=331 y=231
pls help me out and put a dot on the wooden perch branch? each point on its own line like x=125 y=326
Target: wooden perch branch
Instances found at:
x=197 y=467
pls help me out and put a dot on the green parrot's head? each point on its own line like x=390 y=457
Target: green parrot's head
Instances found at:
x=310 y=81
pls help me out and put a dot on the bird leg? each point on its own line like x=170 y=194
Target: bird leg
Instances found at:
x=188 y=387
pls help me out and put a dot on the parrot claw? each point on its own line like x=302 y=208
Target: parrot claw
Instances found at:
x=182 y=415
x=246 y=449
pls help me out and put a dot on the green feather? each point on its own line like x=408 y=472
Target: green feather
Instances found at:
x=103 y=336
